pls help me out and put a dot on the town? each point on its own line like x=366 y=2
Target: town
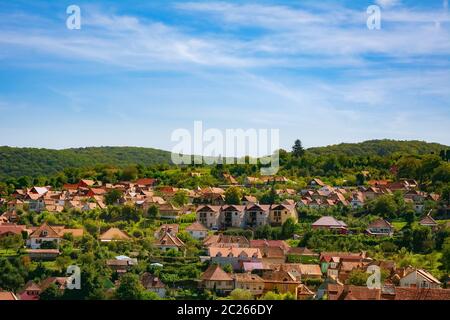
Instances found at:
x=247 y=237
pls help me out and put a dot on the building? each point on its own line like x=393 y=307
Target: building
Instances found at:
x=114 y=234
x=250 y=282
x=380 y=227
x=168 y=241
x=330 y=223
x=214 y=278
x=419 y=278
x=278 y=214
x=197 y=231
x=153 y=284
x=234 y=256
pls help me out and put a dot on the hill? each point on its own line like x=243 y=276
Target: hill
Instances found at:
x=380 y=148
x=33 y=162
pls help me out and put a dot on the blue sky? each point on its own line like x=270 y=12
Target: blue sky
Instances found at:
x=137 y=70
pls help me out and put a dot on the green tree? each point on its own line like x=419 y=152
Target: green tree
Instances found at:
x=130 y=288
x=112 y=196
x=446 y=254
x=297 y=149
x=180 y=198
x=153 y=212
x=241 y=294
x=233 y=195
x=288 y=228
x=51 y=293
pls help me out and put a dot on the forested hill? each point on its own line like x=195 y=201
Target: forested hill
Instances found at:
x=33 y=162
x=380 y=147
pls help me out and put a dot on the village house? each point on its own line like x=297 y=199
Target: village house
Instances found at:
x=234 y=256
x=197 y=231
x=250 y=282
x=257 y=215
x=278 y=214
x=380 y=227
x=45 y=234
x=153 y=284
x=168 y=241
x=170 y=228
x=428 y=221
x=280 y=281
x=226 y=241
x=208 y=216
x=419 y=278
x=114 y=234
x=215 y=279
x=330 y=223
x=121 y=264
x=32 y=290
x=232 y=216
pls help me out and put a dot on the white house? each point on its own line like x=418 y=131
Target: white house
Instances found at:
x=420 y=278
x=197 y=230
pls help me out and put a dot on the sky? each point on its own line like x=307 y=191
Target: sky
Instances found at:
x=138 y=70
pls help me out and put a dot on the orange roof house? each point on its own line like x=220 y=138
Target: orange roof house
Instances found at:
x=114 y=234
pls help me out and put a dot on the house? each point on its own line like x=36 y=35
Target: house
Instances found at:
x=121 y=264
x=278 y=214
x=229 y=179
x=316 y=183
x=331 y=223
x=114 y=234
x=257 y=215
x=232 y=216
x=85 y=183
x=214 y=278
x=234 y=256
x=197 y=230
x=280 y=281
x=261 y=243
x=304 y=293
x=428 y=221
x=419 y=278
x=11 y=230
x=168 y=241
x=42 y=254
x=10 y=216
x=147 y=182
x=170 y=228
x=349 y=292
x=250 y=282
x=32 y=290
x=169 y=211
x=7 y=296
x=416 y=294
x=208 y=216
x=44 y=235
x=153 y=284
x=226 y=241
x=380 y=227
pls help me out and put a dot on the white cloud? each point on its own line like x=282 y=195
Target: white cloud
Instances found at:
x=388 y=3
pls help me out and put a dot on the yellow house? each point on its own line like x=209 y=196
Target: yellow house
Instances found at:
x=279 y=213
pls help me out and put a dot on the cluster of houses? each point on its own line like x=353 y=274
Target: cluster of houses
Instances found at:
x=260 y=266
x=320 y=195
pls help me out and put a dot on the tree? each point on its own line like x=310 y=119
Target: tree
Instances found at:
x=241 y=294
x=153 y=212
x=180 y=198
x=227 y=268
x=51 y=293
x=233 y=195
x=130 y=288
x=297 y=149
x=385 y=206
x=12 y=274
x=112 y=196
x=288 y=228
x=446 y=254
